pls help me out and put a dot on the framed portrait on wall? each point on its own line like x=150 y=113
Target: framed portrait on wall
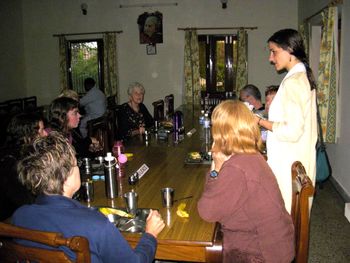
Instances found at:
x=150 y=28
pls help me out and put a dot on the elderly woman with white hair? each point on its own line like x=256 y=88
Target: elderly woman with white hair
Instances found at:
x=133 y=117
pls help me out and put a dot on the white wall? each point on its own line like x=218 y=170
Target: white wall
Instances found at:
x=12 y=73
x=162 y=73
x=338 y=153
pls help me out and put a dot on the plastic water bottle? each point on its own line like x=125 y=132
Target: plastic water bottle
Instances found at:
x=201 y=118
x=207 y=128
x=118 y=152
x=110 y=176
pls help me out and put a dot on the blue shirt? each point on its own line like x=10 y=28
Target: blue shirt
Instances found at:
x=57 y=213
x=94 y=103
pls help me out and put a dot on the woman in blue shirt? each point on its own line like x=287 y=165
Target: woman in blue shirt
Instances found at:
x=50 y=170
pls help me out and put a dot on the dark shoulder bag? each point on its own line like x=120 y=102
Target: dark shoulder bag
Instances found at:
x=323 y=167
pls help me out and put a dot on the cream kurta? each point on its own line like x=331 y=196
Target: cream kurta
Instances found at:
x=294 y=132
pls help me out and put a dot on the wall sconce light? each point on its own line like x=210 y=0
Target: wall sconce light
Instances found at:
x=84 y=8
x=224 y=4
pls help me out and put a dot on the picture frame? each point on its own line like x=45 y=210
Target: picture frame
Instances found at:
x=150 y=28
x=151 y=49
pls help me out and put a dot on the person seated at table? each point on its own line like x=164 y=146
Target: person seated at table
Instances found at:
x=50 y=171
x=64 y=117
x=94 y=103
x=251 y=94
x=270 y=94
x=21 y=132
x=70 y=94
x=133 y=116
x=241 y=191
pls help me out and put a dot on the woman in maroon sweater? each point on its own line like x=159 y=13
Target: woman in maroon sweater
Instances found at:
x=241 y=192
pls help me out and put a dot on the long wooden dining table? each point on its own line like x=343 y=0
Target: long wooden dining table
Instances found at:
x=183 y=239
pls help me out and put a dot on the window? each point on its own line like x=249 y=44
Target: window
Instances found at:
x=85 y=60
x=217 y=57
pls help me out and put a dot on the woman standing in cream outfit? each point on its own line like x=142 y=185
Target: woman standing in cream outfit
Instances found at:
x=292 y=122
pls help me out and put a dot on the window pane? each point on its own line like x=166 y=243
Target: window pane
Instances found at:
x=220 y=65
x=84 y=63
x=234 y=57
x=202 y=65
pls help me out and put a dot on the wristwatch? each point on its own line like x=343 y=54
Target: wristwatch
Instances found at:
x=214 y=174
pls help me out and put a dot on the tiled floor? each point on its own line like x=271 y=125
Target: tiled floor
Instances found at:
x=329 y=230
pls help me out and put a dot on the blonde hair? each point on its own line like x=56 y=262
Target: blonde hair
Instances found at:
x=69 y=93
x=234 y=129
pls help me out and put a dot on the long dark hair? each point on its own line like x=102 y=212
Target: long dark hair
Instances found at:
x=23 y=129
x=291 y=41
x=58 y=113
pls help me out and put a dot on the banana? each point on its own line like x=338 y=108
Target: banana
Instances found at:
x=182 y=213
x=107 y=211
x=181 y=210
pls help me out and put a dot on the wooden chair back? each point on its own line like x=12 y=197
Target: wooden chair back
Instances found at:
x=111 y=102
x=302 y=190
x=13 y=252
x=169 y=106
x=104 y=129
x=30 y=104
x=111 y=127
x=98 y=128
x=14 y=106
x=158 y=113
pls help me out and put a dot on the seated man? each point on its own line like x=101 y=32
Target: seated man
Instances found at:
x=94 y=103
x=50 y=170
x=270 y=94
x=251 y=94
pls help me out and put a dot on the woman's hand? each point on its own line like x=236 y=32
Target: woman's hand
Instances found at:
x=142 y=129
x=218 y=160
x=154 y=223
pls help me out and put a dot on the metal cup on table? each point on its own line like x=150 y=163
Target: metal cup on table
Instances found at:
x=87 y=191
x=167 y=194
x=131 y=199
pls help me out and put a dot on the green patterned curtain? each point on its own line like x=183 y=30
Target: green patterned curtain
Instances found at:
x=242 y=60
x=62 y=46
x=304 y=32
x=110 y=65
x=191 y=68
x=328 y=74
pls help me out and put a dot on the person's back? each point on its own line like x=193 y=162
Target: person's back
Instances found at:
x=57 y=213
x=50 y=170
x=94 y=103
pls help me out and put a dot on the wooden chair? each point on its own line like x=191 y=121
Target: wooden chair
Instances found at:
x=302 y=190
x=30 y=104
x=169 y=106
x=104 y=130
x=112 y=126
x=13 y=252
x=111 y=102
x=158 y=113
x=3 y=108
x=97 y=128
x=14 y=106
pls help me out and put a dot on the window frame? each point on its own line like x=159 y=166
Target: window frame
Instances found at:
x=100 y=58
x=211 y=58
